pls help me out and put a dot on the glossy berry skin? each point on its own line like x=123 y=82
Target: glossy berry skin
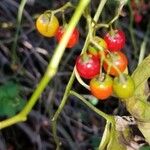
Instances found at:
x=101 y=88
x=94 y=50
x=73 y=39
x=47 y=25
x=117 y=59
x=88 y=66
x=115 y=41
x=123 y=89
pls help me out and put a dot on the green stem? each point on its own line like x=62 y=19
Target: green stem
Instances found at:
x=19 y=18
x=69 y=86
x=143 y=45
x=101 y=25
x=86 y=43
x=106 y=137
x=80 y=79
x=61 y=106
x=11 y=121
x=99 y=10
x=74 y=20
x=98 y=26
x=90 y=26
x=99 y=112
x=121 y=4
x=52 y=67
x=61 y=9
x=96 y=18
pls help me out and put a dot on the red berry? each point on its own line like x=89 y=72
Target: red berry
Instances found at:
x=101 y=87
x=74 y=38
x=115 y=41
x=117 y=59
x=88 y=66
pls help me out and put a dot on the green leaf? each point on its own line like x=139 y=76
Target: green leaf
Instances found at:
x=9 y=89
x=6 y=107
x=145 y=148
x=144 y=127
x=140 y=76
x=113 y=139
x=10 y=100
x=115 y=142
x=138 y=105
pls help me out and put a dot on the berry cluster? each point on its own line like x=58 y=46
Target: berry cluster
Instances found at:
x=48 y=25
x=105 y=64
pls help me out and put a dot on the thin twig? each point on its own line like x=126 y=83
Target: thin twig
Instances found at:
x=143 y=45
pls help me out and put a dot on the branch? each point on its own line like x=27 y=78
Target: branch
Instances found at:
x=51 y=69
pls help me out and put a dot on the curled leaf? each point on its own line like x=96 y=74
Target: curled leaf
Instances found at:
x=138 y=105
x=116 y=136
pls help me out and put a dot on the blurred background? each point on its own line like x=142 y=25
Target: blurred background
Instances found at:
x=78 y=128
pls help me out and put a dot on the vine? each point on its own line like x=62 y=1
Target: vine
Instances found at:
x=135 y=99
